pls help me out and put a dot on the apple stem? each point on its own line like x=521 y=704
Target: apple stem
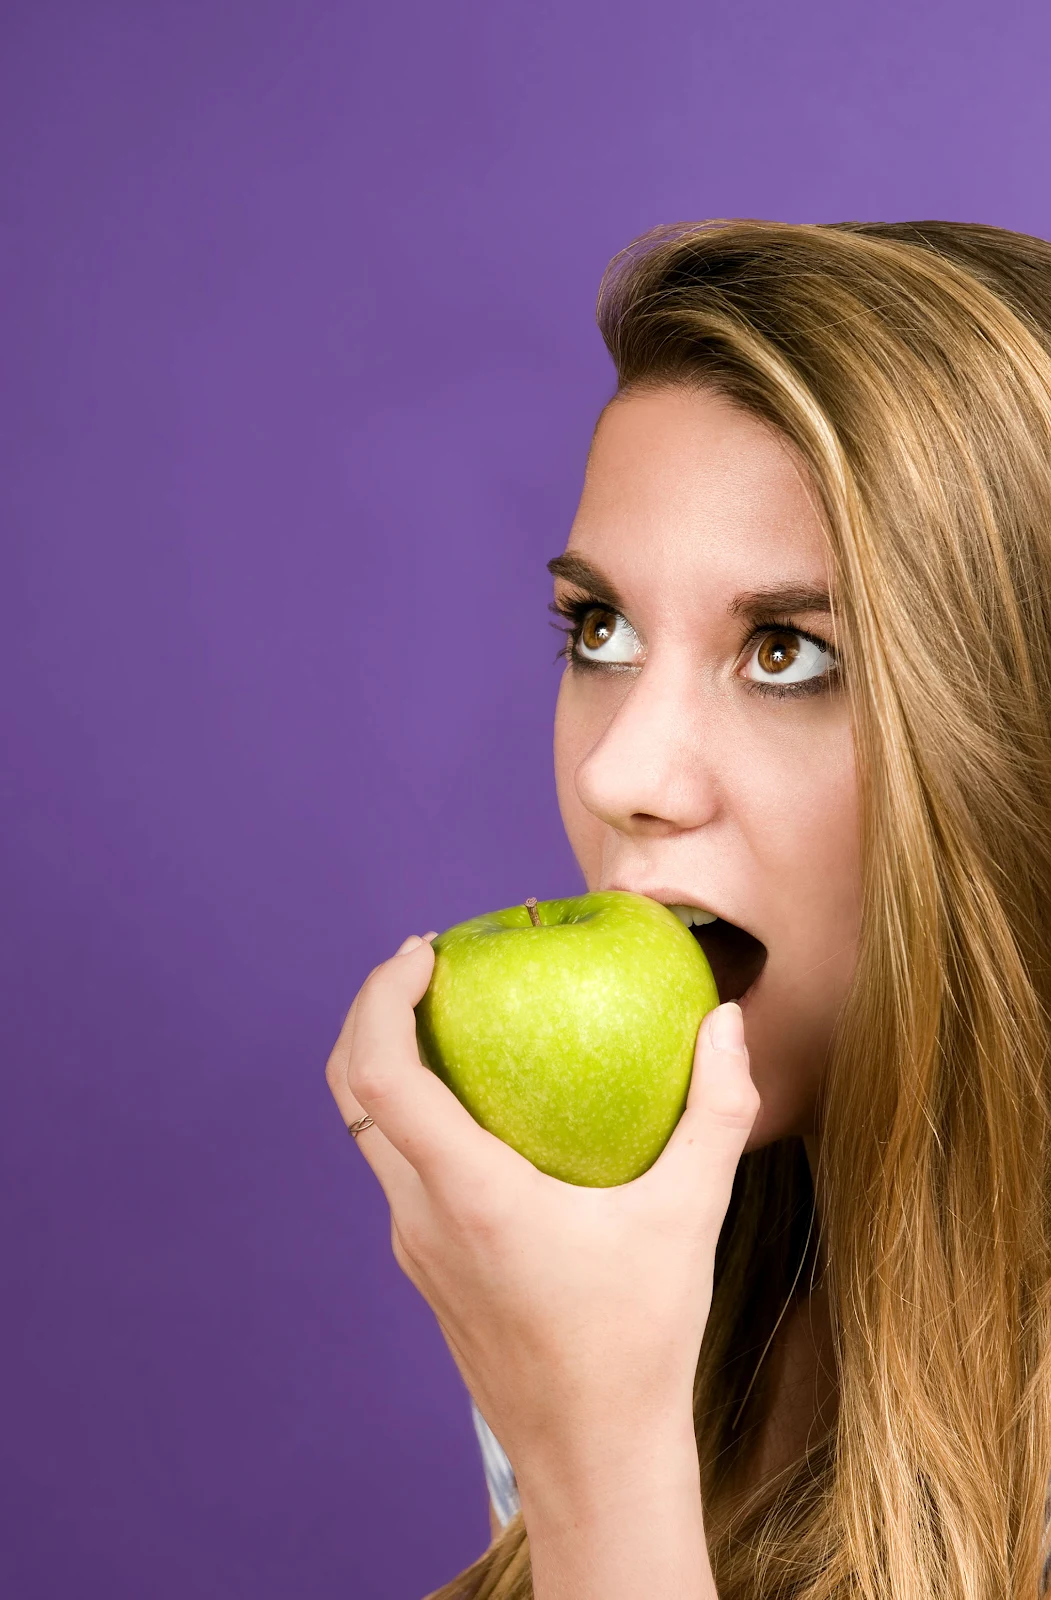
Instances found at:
x=534 y=915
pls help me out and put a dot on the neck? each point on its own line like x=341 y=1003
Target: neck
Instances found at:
x=812 y=1147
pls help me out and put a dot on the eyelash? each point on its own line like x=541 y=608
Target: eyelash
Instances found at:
x=575 y=611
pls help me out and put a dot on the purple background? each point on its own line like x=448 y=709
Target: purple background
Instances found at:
x=299 y=373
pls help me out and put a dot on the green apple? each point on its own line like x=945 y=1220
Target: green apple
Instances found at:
x=567 y=1028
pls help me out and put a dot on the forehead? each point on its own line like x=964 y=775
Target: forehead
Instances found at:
x=686 y=493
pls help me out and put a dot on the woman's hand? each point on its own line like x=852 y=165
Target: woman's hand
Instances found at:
x=575 y=1315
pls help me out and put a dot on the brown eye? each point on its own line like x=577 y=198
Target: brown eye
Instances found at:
x=598 y=628
x=606 y=638
x=789 y=656
x=778 y=651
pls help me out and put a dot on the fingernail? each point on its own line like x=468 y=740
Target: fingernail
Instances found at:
x=409 y=944
x=432 y=935
x=727 y=1027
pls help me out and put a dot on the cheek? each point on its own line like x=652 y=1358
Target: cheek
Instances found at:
x=567 y=742
x=807 y=845
x=800 y=792
x=828 y=812
x=575 y=735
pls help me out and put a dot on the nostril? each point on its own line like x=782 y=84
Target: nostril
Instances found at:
x=646 y=822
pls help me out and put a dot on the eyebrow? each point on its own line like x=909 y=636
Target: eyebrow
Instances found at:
x=782 y=597
x=574 y=569
x=751 y=603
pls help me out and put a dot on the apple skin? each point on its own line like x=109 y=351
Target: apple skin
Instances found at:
x=572 y=1041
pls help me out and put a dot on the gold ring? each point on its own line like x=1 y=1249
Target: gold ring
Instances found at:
x=354 y=1128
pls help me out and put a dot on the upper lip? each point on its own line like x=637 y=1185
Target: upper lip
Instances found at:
x=682 y=897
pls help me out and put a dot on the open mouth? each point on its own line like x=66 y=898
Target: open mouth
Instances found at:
x=735 y=957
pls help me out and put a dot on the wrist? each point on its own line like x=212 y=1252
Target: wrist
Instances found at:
x=590 y=1473
x=620 y=1521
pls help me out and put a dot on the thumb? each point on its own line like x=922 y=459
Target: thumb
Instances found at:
x=721 y=1106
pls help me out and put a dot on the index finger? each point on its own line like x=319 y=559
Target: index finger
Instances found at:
x=419 y=1114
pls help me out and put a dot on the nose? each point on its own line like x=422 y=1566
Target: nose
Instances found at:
x=652 y=771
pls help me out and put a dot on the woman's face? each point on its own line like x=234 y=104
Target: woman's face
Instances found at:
x=703 y=748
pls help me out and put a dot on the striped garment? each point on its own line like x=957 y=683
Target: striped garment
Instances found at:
x=503 y=1491
x=499 y=1474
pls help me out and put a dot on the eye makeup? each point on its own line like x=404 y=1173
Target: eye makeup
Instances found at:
x=591 y=622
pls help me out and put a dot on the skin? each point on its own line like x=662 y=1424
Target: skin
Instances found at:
x=575 y=1315
x=674 y=779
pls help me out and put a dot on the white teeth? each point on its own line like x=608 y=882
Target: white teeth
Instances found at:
x=693 y=916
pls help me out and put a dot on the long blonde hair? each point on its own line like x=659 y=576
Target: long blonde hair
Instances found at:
x=909 y=366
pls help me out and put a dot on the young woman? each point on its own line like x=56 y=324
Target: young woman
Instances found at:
x=808 y=688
